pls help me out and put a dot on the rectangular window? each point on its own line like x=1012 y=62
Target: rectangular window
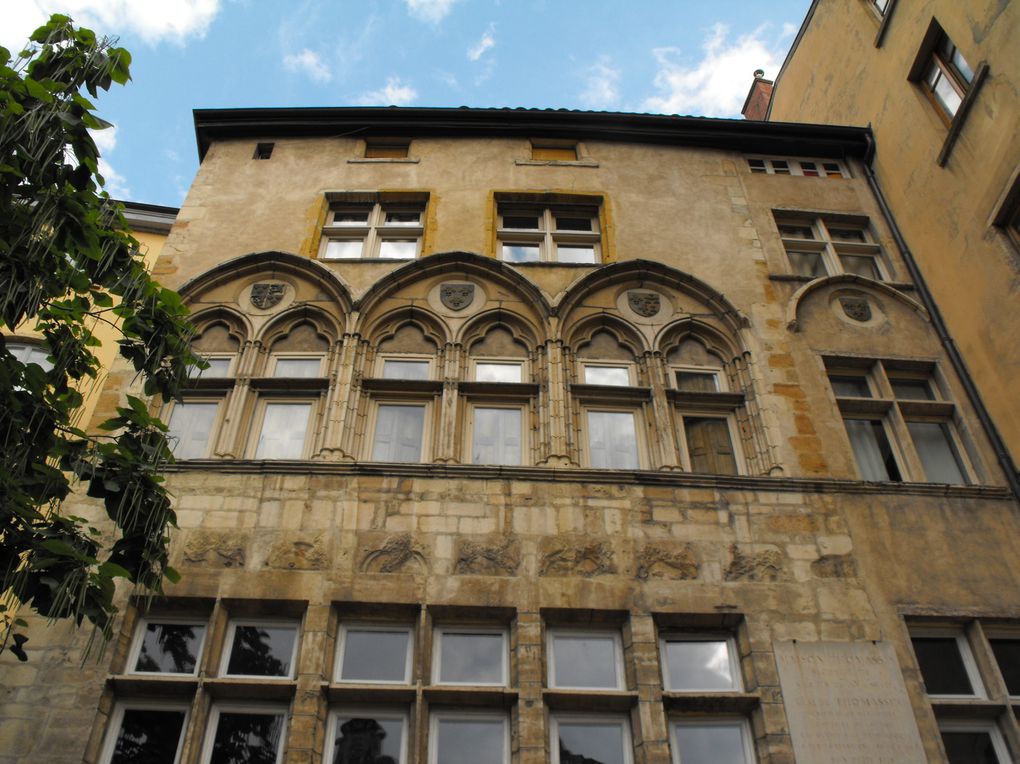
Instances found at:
x=710 y=445
x=399 y=433
x=499 y=371
x=810 y=168
x=874 y=455
x=219 y=367
x=948 y=76
x=388 y=231
x=260 y=649
x=699 y=664
x=612 y=440
x=245 y=733
x=145 y=733
x=946 y=663
x=263 y=151
x=973 y=742
x=600 y=374
x=561 y=233
x=497 y=436
x=819 y=246
x=284 y=430
x=374 y=654
x=190 y=428
x=297 y=368
x=467 y=737
x=585 y=660
x=386 y=148
x=696 y=380
x=710 y=741
x=394 y=368
x=1007 y=656
x=470 y=656
x=579 y=739
x=167 y=647
x=367 y=736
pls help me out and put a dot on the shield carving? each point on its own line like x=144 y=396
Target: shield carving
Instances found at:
x=266 y=294
x=856 y=308
x=645 y=304
x=456 y=296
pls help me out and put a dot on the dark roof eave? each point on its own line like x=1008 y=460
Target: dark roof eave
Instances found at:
x=705 y=132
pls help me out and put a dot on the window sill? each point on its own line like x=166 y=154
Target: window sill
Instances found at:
x=555 y=163
x=377 y=260
x=901 y=286
x=297 y=385
x=508 y=389
x=615 y=393
x=707 y=401
x=363 y=160
x=380 y=385
x=219 y=384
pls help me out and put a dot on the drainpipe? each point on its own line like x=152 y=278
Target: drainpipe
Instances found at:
x=1001 y=452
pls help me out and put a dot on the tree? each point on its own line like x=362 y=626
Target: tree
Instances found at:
x=67 y=262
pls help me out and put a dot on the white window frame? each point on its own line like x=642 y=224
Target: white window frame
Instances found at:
x=230 y=358
x=978 y=725
x=828 y=248
x=374 y=231
x=547 y=237
x=374 y=712
x=711 y=721
x=521 y=363
x=614 y=634
x=437 y=651
x=117 y=720
x=736 y=684
x=214 y=427
x=426 y=432
x=258 y=422
x=629 y=367
x=721 y=383
x=683 y=412
x=381 y=359
x=139 y=638
x=23 y=351
x=795 y=166
x=640 y=435
x=261 y=709
x=436 y=716
x=228 y=646
x=472 y=421
x=341 y=647
x=275 y=358
x=966 y=655
x=592 y=719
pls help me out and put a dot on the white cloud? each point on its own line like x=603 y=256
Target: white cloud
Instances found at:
x=601 y=89
x=308 y=62
x=106 y=142
x=488 y=41
x=718 y=83
x=395 y=93
x=432 y=11
x=174 y=20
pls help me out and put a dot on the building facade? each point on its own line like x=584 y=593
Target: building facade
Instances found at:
x=542 y=436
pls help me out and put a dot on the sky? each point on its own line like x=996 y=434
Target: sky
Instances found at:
x=657 y=56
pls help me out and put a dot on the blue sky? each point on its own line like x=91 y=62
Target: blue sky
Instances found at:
x=661 y=56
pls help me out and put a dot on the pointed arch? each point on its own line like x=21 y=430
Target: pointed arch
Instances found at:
x=716 y=342
x=384 y=327
x=847 y=279
x=581 y=334
x=237 y=325
x=281 y=326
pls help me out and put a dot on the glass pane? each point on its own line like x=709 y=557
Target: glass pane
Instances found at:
x=583 y=743
x=832 y=170
x=806 y=263
x=171 y=648
x=697 y=665
x=398 y=434
x=780 y=167
x=571 y=254
x=471 y=741
x=284 y=427
x=757 y=165
x=912 y=389
x=942 y=666
x=881 y=5
x=872 y=450
x=938 y=455
x=405 y=369
x=522 y=222
x=262 y=650
x=350 y=217
x=946 y=95
x=1007 y=655
x=148 y=736
x=697 y=381
x=709 y=445
x=809 y=169
x=398 y=249
x=372 y=655
x=521 y=253
x=793 y=231
x=403 y=218
x=298 y=368
x=190 y=428
x=343 y=249
x=467 y=658
x=364 y=739
x=218 y=368
x=566 y=223
x=861 y=265
x=585 y=661
x=961 y=66
x=497 y=437
x=612 y=440
x=969 y=748
x=498 y=372
x=847 y=234
x=247 y=738
x=850 y=386
x=607 y=375
x=709 y=743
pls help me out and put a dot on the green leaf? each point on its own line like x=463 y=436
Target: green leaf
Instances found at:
x=113 y=570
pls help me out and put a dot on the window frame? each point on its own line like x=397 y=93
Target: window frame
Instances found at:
x=715 y=720
x=437 y=715
x=824 y=168
x=733 y=658
x=216 y=709
x=382 y=358
x=230 y=358
x=525 y=446
x=275 y=358
x=618 y=662
x=341 y=645
x=139 y=639
x=831 y=249
x=437 y=650
x=640 y=434
x=116 y=722
x=966 y=657
x=18 y=347
x=228 y=647
x=214 y=426
x=585 y=364
x=685 y=412
x=721 y=378
x=375 y=231
x=978 y=725
x=259 y=418
x=424 y=452
x=996 y=633
x=547 y=236
x=475 y=361
x=376 y=712
x=592 y=719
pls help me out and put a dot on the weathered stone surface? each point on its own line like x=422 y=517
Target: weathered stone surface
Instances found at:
x=766 y=565
x=576 y=557
x=392 y=554
x=215 y=549
x=655 y=561
x=834 y=566
x=497 y=558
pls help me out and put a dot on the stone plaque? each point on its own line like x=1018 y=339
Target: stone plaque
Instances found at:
x=456 y=296
x=856 y=308
x=266 y=294
x=846 y=703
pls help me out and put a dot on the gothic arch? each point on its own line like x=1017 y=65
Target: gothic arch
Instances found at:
x=850 y=280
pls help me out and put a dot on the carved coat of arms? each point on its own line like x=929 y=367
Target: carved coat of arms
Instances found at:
x=645 y=304
x=456 y=296
x=856 y=308
x=266 y=294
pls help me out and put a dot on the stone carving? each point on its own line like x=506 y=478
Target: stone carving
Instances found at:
x=856 y=308
x=645 y=304
x=394 y=555
x=834 y=566
x=478 y=559
x=456 y=296
x=659 y=562
x=298 y=554
x=214 y=550
x=586 y=560
x=758 y=566
x=266 y=294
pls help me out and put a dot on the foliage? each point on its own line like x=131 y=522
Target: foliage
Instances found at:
x=67 y=263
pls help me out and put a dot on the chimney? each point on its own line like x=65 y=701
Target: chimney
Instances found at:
x=758 y=97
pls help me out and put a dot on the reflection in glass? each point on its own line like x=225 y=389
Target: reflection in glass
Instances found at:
x=262 y=650
x=498 y=372
x=398 y=249
x=343 y=249
x=585 y=661
x=247 y=738
x=405 y=369
x=861 y=265
x=398 y=433
x=284 y=428
x=912 y=389
x=364 y=740
x=591 y=743
x=467 y=658
x=806 y=263
x=497 y=436
x=372 y=655
x=298 y=368
x=942 y=666
x=697 y=381
x=520 y=253
x=218 y=367
x=171 y=648
x=607 y=375
x=190 y=428
x=571 y=254
x=148 y=736
x=470 y=741
x=711 y=743
x=847 y=386
x=612 y=440
x=699 y=665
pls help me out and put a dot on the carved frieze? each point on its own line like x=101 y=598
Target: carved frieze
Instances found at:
x=214 y=549
x=576 y=558
x=766 y=565
x=494 y=559
x=393 y=554
x=660 y=562
x=298 y=554
x=834 y=566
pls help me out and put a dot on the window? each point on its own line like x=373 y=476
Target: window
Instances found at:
x=578 y=739
x=386 y=148
x=284 y=430
x=825 y=246
x=554 y=151
x=899 y=426
x=699 y=663
x=297 y=367
x=261 y=649
x=383 y=230
x=811 y=168
x=1007 y=216
x=263 y=150
x=145 y=733
x=167 y=646
x=567 y=233
x=709 y=442
x=711 y=740
x=1006 y=649
x=946 y=663
x=190 y=428
x=468 y=737
x=947 y=76
x=367 y=735
x=28 y=352
x=606 y=374
x=243 y=733
x=470 y=656
x=405 y=368
x=374 y=654
x=612 y=440
x=497 y=435
x=973 y=742
x=219 y=367
x=499 y=371
x=399 y=432
x=880 y=6
x=585 y=660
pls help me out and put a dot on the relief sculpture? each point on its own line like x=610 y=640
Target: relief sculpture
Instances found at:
x=587 y=560
x=395 y=555
x=479 y=559
x=766 y=565
x=214 y=549
x=658 y=562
